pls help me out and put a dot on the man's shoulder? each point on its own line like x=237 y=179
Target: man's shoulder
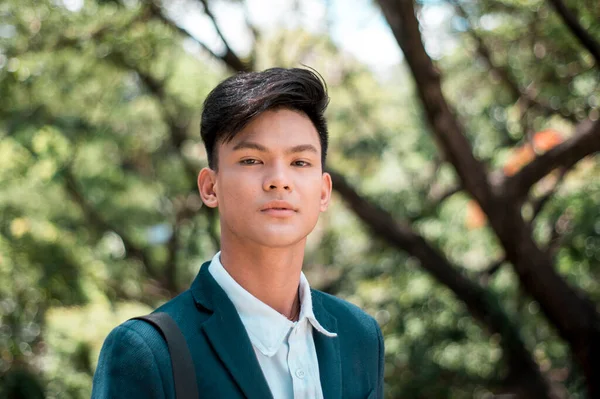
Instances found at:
x=346 y=313
x=180 y=308
x=134 y=361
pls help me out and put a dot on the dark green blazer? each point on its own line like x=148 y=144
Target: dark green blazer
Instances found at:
x=135 y=363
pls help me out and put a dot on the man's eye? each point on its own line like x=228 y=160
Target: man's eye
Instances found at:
x=249 y=161
x=301 y=163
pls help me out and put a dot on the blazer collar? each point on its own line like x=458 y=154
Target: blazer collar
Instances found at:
x=328 y=350
x=229 y=339
x=227 y=335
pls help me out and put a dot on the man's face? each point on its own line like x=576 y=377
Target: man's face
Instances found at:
x=269 y=187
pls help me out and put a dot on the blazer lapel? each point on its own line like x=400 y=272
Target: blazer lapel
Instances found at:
x=228 y=337
x=328 y=352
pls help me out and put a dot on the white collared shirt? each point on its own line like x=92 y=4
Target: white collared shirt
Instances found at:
x=285 y=350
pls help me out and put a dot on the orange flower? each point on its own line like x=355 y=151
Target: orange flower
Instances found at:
x=546 y=139
x=475 y=217
x=521 y=156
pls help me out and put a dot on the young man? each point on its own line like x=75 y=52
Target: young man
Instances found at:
x=253 y=325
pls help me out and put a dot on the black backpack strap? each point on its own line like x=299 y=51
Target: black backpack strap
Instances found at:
x=184 y=374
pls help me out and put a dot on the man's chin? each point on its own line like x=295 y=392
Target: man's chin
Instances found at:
x=279 y=239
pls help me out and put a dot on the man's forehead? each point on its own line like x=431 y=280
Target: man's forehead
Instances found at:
x=272 y=138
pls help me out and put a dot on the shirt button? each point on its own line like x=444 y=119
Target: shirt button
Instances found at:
x=300 y=373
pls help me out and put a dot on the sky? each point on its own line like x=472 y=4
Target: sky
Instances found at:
x=356 y=26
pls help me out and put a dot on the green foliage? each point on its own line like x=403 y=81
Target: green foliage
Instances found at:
x=95 y=188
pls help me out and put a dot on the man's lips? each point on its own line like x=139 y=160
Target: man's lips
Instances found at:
x=278 y=209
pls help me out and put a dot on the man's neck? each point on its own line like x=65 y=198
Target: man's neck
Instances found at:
x=272 y=275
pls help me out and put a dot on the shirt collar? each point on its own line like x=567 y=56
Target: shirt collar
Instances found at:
x=266 y=327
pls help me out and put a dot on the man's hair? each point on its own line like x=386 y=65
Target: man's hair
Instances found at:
x=238 y=99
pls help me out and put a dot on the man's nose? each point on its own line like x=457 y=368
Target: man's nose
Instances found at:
x=277 y=179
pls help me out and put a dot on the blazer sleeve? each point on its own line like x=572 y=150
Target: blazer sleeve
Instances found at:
x=128 y=367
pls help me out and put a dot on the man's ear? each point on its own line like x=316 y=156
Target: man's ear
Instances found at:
x=326 y=187
x=207 y=181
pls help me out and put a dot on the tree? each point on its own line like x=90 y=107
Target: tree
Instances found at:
x=571 y=312
x=99 y=119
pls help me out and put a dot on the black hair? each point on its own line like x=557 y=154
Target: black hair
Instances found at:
x=238 y=99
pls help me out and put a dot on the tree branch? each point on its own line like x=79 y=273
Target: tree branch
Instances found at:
x=446 y=128
x=586 y=141
x=402 y=236
x=586 y=40
x=156 y=12
x=229 y=58
x=480 y=304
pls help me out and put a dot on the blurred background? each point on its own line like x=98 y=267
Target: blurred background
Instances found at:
x=464 y=140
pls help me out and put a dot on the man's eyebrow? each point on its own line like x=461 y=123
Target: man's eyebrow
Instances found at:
x=302 y=148
x=249 y=145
